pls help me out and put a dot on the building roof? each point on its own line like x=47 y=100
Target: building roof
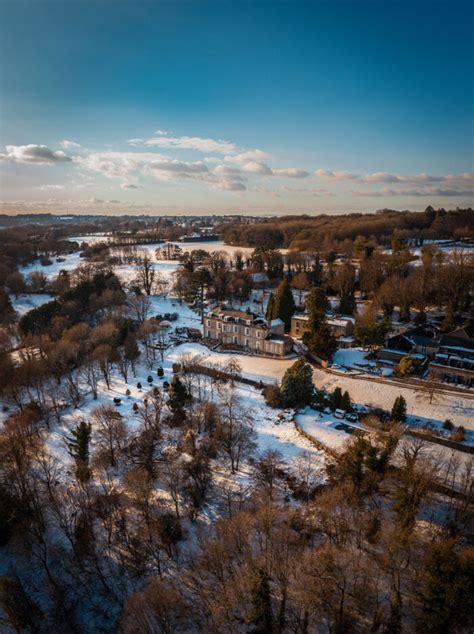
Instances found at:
x=277 y=322
x=237 y=315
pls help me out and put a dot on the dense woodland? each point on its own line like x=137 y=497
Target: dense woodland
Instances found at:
x=324 y=232
x=171 y=519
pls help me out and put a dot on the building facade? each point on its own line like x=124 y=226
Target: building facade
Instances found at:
x=340 y=326
x=454 y=359
x=248 y=331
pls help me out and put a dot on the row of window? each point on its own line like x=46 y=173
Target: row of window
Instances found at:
x=229 y=329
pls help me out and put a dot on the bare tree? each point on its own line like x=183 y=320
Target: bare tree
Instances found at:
x=110 y=429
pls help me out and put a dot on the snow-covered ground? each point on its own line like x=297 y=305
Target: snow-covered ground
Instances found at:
x=253 y=367
x=24 y=303
x=51 y=271
x=323 y=427
x=456 y=407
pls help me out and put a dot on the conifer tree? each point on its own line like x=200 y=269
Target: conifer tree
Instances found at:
x=269 y=314
x=261 y=616
x=297 y=384
x=284 y=304
x=79 y=449
x=347 y=305
x=346 y=402
x=178 y=397
x=399 y=410
x=319 y=339
x=336 y=398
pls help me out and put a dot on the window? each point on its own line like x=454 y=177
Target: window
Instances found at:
x=235 y=339
x=208 y=322
x=258 y=334
x=246 y=343
x=208 y=333
x=235 y=328
x=247 y=331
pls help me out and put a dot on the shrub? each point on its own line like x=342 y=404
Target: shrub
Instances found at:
x=448 y=425
x=459 y=435
x=272 y=395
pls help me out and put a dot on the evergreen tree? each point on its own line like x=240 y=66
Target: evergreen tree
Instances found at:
x=319 y=339
x=446 y=582
x=399 y=410
x=317 y=304
x=297 y=384
x=79 y=449
x=178 y=397
x=347 y=305
x=346 y=404
x=261 y=616
x=284 y=304
x=336 y=398
x=270 y=312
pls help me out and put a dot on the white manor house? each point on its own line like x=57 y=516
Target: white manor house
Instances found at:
x=248 y=331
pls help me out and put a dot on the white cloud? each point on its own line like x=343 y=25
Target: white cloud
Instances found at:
x=250 y=155
x=257 y=167
x=48 y=188
x=39 y=154
x=117 y=164
x=186 y=143
x=129 y=186
x=415 y=191
x=290 y=172
x=69 y=144
x=231 y=186
x=336 y=176
x=227 y=170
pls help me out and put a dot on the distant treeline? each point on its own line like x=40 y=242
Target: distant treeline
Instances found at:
x=318 y=232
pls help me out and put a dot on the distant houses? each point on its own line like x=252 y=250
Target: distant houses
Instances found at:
x=454 y=358
x=245 y=330
x=342 y=328
x=446 y=357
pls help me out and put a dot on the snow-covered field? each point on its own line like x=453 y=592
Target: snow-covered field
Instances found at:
x=71 y=261
x=253 y=367
x=24 y=303
x=458 y=408
x=323 y=427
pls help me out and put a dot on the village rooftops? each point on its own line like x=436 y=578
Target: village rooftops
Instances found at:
x=237 y=316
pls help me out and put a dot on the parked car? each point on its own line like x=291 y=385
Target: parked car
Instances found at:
x=353 y=418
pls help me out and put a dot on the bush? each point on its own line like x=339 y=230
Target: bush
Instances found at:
x=272 y=395
x=149 y=378
x=459 y=435
x=448 y=425
x=139 y=386
x=160 y=372
x=297 y=384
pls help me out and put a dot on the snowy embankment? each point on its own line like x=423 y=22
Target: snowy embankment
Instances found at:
x=455 y=407
x=323 y=428
x=253 y=367
x=26 y=302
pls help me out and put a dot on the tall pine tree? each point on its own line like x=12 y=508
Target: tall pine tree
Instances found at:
x=284 y=304
x=399 y=410
x=319 y=339
x=261 y=616
x=78 y=446
x=270 y=312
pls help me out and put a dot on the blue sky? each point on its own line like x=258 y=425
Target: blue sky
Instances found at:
x=259 y=107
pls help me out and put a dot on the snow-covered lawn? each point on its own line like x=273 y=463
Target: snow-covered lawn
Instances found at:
x=51 y=271
x=322 y=427
x=24 y=303
x=456 y=407
x=352 y=358
x=253 y=367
